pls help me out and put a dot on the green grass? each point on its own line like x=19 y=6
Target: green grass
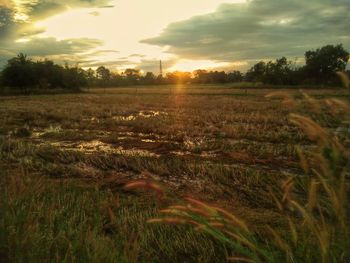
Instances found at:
x=58 y=221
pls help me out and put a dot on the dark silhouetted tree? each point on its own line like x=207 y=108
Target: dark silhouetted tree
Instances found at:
x=148 y=79
x=235 y=76
x=90 y=77
x=257 y=72
x=323 y=63
x=178 y=77
x=278 y=72
x=132 y=76
x=19 y=73
x=103 y=75
x=22 y=73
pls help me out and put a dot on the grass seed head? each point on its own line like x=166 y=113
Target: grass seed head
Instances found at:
x=146 y=185
x=344 y=78
x=202 y=205
x=288 y=100
x=168 y=220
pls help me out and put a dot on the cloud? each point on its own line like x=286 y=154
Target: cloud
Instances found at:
x=51 y=46
x=113 y=64
x=136 y=56
x=146 y=65
x=258 y=29
x=6 y=21
x=17 y=18
x=67 y=50
x=41 y=9
x=17 y=22
x=152 y=65
x=94 y=13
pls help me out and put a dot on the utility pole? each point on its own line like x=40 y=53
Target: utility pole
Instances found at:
x=160 y=68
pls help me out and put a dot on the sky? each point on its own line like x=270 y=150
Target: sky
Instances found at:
x=184 y=34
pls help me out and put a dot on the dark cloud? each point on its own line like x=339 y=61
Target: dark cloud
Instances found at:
x=41 y=9
x=73 y=50
x=6 y=21
x=51 y=46
x=259 y=29
x=13 y=28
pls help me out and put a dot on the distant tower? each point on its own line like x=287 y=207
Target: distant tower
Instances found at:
x=160 y=68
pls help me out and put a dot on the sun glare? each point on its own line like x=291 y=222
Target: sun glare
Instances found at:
x=191 y=65
x=22 y=40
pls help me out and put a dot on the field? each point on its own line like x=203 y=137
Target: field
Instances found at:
x=65 y=160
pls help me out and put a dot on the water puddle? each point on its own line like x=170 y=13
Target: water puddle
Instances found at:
x=94 y=120
x=144 y=137
x=149 y=140
x=124 y=118
x=181 y=153
x=209 y=154
x=36 y=133
x=96 y=146
x=203 y=154
x=191 y=143
x=136 y=152
x=141 y=114
x=149 y=114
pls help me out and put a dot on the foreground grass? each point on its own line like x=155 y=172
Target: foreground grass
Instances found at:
x=57 y=221
x=315 y=205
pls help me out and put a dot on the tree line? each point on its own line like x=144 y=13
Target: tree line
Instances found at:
x=320 y=68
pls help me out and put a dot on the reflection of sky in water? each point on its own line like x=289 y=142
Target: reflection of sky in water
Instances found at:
x=98 y=146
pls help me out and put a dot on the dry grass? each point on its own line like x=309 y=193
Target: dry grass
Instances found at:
x=65 y=159
x=315 y=207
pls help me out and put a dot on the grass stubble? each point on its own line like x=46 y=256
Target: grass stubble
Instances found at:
x=315 y=206
x=63 y=201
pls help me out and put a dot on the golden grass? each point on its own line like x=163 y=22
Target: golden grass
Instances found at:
x=321 y=232
x=227 y=149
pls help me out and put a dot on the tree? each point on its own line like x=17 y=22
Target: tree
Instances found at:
x=22 y=73
x=132 y=76
x=91 y=77
x=19 y=73
x=218 y=77
x=103 y=75
x=48 y=74
x=203 y=76
x=148 y=79
x=200 y=76
x=323 y=63
x=257 y=72
x=116 y=79
x=235 y=76
x=278 y=72
x=178 y=77
x=74 y=77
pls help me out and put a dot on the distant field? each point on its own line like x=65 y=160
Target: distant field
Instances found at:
x=65 y=158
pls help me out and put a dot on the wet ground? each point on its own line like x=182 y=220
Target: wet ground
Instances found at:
x=159 y=132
